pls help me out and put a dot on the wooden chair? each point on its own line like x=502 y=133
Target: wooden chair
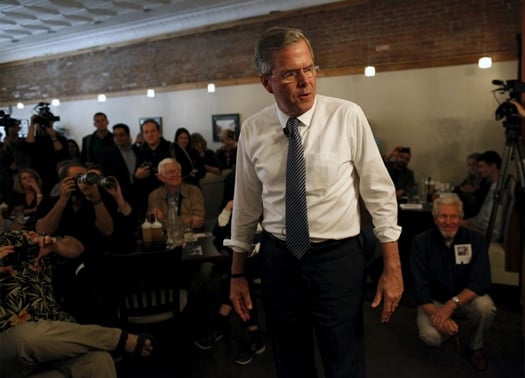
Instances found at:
x=148 y=283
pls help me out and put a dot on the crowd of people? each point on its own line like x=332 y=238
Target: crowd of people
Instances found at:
x=307 y=155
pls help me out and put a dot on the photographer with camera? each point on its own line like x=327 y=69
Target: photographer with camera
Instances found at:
x=45 y=146
x=80 y=211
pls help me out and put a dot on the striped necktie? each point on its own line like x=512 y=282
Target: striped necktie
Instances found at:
x=297 y=234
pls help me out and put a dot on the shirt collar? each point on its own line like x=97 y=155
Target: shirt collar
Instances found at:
x=304 y=119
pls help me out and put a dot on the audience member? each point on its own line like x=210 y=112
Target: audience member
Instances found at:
x=189 y=159
x=13 y=156
x=93 y=145
x=123 y=213
x=139 y=140
x=81 y=211
x=227 y=153
x=154 y=149
x=46 y=149
x=317 y=285
x=120 y=161
x=256 y=344
x=73 y=150
x=208 y=157
x=489 y=164
x=189 y=199
x=397 y=164
x=451 y=274
x=472 y=189
x=36 y=336
x=27 y=195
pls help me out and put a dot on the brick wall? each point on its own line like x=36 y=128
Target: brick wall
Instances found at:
x=390 y=34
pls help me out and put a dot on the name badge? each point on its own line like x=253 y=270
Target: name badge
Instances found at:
x=463 y=253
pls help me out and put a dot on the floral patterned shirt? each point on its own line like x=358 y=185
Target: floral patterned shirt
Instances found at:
x=26 y=293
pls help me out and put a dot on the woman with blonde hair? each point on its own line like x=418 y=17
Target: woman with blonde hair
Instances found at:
x=27 y=195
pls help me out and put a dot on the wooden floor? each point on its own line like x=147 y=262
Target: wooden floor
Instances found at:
x=393 y=350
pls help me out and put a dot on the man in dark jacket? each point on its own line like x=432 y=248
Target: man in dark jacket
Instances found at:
x=451 y=274
x=93 y=145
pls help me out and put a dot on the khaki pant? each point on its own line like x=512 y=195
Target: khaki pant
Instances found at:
x=57 y=349
x=479 y=313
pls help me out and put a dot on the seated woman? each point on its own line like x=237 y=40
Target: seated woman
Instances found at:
x=189 y=159
x=209 y=157
x=27 y=195
x=34 y=332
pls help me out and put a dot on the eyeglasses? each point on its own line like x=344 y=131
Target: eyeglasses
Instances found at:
x=172 y=172
x=292 y=76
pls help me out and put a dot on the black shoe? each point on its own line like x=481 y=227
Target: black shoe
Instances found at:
x=208 y=341
x=256 y=347
x=204 y=342
x=477 y=359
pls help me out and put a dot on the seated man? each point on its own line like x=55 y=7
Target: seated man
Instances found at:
x=397 y=164
x=188 y=198
x=489 y=164
x=81 y=211
x=472 y=189
x=451 y=277
x=34 y=332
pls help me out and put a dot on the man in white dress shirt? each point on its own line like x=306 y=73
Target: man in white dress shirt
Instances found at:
x=322 y=289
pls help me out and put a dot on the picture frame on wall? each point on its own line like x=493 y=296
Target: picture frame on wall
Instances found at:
x=157 y=119
x=220 y=122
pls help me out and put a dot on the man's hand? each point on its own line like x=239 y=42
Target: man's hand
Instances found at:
x=240 y=297
x=389 y=289
x=143 y=172
x=4 y=251
x=67 y=187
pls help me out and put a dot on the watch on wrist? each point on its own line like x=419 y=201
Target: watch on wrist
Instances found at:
x=455 y=299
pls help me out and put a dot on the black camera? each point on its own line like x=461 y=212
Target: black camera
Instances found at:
x=44 y=116
x=147 y=163
x=507 y=109
x=91 y=178
x=20 y=254
x=7 y=121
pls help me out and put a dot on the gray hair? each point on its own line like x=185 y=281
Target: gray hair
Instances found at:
x=447 y=199
x=164 y=162
x=275 y=39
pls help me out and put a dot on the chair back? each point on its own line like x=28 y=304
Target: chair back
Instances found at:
x=149 y=287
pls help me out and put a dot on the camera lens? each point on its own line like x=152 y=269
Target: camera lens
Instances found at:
x=89 y=178
x=107 y=182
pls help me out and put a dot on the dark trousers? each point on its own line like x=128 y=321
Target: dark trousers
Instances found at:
x=322 y=292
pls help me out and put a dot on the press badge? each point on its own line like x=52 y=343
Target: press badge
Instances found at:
x=463 y=253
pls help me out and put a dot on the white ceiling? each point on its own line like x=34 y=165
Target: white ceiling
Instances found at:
x=35 y=28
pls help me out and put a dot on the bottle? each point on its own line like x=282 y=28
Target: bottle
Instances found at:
x=157 y=237
x=173 y=225
x=146 y=233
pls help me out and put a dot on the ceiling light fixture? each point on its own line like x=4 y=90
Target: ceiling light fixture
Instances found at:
x=20 y=105
x=211 y=88
x=150 y=93
x=370 y=71
x=55 y=102
x=101 y=97
x=485 y=62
